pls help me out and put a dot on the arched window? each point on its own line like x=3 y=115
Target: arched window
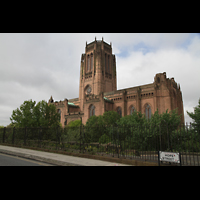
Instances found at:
x=148 y=111
x=59 y=111
x=105 y=62
x=92 y=110
x=91 y=61
x=119 y=111
x=108 y=63
x=88 y=63
x=132 y=109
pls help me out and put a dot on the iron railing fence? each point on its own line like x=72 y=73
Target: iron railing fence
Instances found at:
x=137 y=141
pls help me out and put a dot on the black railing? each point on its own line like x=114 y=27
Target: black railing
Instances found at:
x=139 y=142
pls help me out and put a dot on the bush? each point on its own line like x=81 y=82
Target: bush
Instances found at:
x=104 y=139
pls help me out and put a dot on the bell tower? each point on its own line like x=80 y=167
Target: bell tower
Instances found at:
x=97 y=70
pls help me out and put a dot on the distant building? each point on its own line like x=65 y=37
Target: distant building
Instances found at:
x=98 y=90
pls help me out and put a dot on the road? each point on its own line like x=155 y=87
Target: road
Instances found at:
x=8 y=160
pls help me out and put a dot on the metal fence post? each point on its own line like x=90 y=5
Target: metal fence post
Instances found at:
x=158 y=158
x=112 y=138
x=118 y=140
x=56 y=138
x=83 y=141
x=39 y=136
x=80 y=137
x=168 y=135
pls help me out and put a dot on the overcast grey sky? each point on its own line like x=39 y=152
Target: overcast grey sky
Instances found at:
x=38 y=65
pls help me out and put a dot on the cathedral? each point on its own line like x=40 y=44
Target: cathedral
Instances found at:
x=98 y=90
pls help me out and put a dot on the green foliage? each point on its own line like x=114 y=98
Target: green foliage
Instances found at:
x=196 y=117
x=31 y=115
x=76 y=123
x=104 y=139
x=96 y=126
x=71 y=132
x=10 y=125
x=110 y=118
x=142 y=132
x=129 y=120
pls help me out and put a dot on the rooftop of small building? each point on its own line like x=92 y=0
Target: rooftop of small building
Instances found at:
x=69 y=103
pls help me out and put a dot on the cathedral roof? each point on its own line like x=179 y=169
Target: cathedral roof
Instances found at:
x=108 y=100
x=72 y=104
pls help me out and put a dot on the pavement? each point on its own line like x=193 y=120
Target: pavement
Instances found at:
x=54 y=158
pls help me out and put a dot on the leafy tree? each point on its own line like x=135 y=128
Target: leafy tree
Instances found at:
x=137 y=118
x=75 y=123
x=196 y=117
x=96 y=126
x=71 y=132
x=31 y=115
x=110 y=117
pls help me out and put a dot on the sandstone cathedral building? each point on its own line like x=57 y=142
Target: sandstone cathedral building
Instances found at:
x=98 y=90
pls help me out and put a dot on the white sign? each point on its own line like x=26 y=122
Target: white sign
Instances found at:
x=169 y=156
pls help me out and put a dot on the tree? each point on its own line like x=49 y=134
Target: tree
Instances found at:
x=96 y=126
x=110 y=117
x=31 y=115
x=71 y=132
x=195 y=116
x=171 y=119
x=93 y=128
x=137 y=118
x=74 y=124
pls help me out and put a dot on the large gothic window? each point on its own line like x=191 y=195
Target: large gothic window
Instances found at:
x=92 y=110
x=132 y=109
x=105 y=62
x=108 y=63
x=88 y=63
x=148 y=111
x=119 y=111
x=91 y=61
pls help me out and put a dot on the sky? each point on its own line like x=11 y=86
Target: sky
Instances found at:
x=38 y=65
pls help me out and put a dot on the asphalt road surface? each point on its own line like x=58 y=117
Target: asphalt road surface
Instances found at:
x=8 y=160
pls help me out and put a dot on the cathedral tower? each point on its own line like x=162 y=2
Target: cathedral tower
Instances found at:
x=97 y=70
